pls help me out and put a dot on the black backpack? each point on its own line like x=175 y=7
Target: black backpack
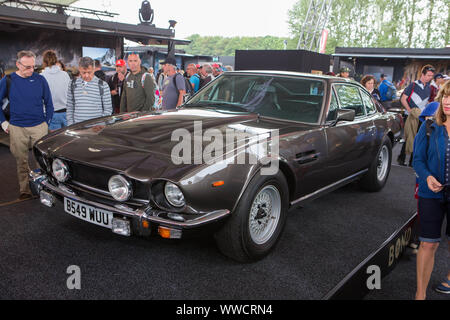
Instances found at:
x=189 y=90
x=7 y=108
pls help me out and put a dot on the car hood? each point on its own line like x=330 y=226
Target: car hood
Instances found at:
x=135 y=142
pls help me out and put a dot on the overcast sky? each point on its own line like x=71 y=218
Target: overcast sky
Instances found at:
x=226 y=18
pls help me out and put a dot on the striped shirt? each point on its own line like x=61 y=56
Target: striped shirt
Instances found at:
x=418 y=94
x=88 y=102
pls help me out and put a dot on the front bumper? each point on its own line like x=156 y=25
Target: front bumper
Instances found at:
x=142 y=219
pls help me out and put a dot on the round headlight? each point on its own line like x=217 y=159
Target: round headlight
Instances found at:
x=174 y=195
x=120 y=188
x=60 y=170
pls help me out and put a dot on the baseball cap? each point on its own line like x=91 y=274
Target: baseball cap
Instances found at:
x=120 y=63
x=345 y=69
x=438 y=76
x=169 y=60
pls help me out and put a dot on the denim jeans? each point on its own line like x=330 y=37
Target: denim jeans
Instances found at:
x=58 y=121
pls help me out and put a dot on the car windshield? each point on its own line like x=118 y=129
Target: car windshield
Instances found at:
x=287 y=98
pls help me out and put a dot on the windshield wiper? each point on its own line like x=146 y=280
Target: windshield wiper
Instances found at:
x=202 y=105
x=216 y=105
x=231 y=106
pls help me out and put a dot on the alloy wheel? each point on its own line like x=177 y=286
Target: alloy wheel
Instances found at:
x=265 y=214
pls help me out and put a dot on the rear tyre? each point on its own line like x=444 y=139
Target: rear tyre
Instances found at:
x=375 y=179
x=256 y=225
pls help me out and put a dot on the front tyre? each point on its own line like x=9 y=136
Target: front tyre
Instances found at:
x=375 y=179
x=255 y=226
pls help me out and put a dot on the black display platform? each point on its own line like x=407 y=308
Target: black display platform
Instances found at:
x=369 y=274
x=321 y=244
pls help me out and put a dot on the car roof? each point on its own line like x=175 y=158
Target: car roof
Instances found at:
x=291 y=73
x=331 y=79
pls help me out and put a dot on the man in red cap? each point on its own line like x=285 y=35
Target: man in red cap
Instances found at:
x=121 y=63
x=217 y=70
x=116 y=84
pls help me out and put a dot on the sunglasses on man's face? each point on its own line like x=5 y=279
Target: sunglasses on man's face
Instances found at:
x=133 y=54
x=26 y=67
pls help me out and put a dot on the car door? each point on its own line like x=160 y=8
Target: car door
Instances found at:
x=375 y=132
x=348 y=142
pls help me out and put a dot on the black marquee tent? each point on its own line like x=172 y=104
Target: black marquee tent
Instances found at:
x=39 y=26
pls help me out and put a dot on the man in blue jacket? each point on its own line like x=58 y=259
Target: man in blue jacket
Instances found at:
x=28 y=94
x=387 y=91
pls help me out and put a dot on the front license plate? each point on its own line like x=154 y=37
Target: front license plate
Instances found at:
x=87 y=213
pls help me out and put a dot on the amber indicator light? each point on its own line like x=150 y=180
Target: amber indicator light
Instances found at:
x=218 y=183
x=164 y=232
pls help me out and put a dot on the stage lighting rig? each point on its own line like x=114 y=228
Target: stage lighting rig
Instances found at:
x=146 y=13
x=172 y=24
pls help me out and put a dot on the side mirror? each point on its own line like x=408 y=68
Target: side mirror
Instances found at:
x=345 y=115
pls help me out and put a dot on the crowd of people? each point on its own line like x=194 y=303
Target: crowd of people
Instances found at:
x=414 y=99
x=36 y=103
x=178 y=84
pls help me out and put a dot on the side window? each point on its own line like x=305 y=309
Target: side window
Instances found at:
x=368 y=103
x=350 y=98
x=332 y=112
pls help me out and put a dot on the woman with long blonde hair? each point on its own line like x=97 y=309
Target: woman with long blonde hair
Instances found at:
x=432 y=165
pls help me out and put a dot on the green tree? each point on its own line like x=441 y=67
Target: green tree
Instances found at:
x=381 y=23
x=410 y=23
x=447 y=27
x=429 y=23
x=220 y=46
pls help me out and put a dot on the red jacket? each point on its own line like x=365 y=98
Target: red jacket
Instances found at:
x=433 y=92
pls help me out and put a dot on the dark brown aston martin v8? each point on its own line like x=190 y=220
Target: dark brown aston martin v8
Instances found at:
x=234 y=159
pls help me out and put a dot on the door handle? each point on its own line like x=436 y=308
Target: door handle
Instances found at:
x=372 y=130
x=307 y=157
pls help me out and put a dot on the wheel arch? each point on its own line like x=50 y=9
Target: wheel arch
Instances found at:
x=390 y=135
x=286 y=171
